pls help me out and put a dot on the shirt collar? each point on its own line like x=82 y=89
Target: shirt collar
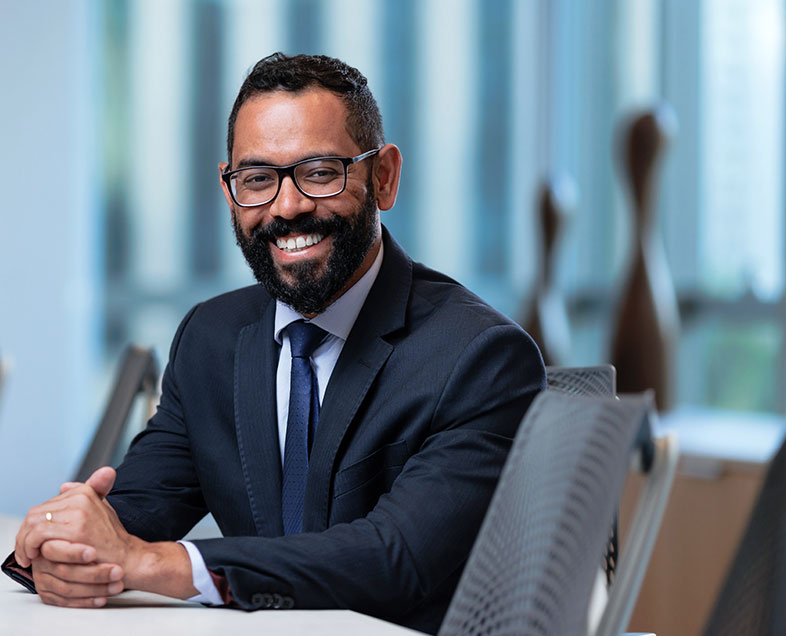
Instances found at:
x=339 y=318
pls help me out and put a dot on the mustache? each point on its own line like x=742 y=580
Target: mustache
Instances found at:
x=279 y=227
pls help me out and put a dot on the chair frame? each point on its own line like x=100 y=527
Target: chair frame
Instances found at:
x=138 y=373
x=659 y=461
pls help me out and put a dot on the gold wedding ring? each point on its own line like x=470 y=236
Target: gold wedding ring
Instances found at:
x=48 y=517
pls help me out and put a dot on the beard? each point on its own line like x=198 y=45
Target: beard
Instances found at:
x=312 y=290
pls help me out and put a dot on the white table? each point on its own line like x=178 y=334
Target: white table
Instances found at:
x=23 y=614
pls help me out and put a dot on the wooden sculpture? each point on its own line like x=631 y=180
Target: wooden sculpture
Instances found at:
x=647 y=323
x=546 y=319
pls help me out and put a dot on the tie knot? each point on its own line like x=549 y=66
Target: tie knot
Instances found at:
x=304 y=337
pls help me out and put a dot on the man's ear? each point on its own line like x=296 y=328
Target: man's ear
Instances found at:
x=221 y=168
x=387 y=171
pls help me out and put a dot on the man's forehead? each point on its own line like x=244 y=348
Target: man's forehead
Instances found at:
x=289 y=125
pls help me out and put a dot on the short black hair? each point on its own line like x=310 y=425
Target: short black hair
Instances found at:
x=300 y=72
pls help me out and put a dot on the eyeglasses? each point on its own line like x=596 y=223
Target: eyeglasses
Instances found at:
x=317 y=178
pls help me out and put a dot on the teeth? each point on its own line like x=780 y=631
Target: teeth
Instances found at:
x=299 y=242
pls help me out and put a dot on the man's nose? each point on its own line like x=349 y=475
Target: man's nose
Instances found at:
x=290 y=201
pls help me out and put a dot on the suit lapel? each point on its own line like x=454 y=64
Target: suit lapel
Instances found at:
x=256 y=358
x=363 y=356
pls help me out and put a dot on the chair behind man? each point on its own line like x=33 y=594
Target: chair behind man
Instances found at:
x=600 y=381
x=535 y=561
x=753 y=598
x=138 y=373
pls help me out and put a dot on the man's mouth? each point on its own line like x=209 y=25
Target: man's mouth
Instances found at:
x=297 y=243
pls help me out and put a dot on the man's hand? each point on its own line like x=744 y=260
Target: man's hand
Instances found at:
x=81 y=553
x=66 y=574
x=81 y=515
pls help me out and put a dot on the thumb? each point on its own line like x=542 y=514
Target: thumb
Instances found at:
x=102 y=480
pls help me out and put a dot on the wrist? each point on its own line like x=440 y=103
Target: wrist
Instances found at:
x=161 y=567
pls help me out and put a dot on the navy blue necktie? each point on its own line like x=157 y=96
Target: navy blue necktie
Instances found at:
x=303 y=415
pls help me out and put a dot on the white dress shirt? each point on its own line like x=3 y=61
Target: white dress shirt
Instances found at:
x=338 y=320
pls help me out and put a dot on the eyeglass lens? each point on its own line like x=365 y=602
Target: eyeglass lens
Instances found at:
x=318 y=178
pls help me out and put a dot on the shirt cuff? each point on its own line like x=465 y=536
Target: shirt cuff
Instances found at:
x=200 y=577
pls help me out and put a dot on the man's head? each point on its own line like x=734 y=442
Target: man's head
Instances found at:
x=279 y=72
x=307 y=249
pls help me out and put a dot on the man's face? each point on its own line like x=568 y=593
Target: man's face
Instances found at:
x=341 y=233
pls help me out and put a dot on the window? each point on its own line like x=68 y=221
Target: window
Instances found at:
x=518 y=91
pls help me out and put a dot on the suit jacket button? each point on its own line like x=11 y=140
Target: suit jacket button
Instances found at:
x=268 y=599
x=277 y=601
x=289 y=602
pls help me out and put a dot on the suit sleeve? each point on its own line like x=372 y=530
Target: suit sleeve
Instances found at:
x=419 y=534
x=157 y=494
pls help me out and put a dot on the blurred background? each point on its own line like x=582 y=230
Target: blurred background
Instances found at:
x=112 y=224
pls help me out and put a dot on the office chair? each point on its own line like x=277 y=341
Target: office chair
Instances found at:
x=138 y=373
x=599 y=381
x=534 y=563
x=753 y=597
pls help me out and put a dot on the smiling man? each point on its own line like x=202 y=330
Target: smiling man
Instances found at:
x=311 y=237
x=345 y=421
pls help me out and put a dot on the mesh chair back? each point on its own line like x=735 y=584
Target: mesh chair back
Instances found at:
x=600 y=380
x=535 y=561
x=753 y=598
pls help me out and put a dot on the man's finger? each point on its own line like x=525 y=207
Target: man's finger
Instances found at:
x=63 y=551
x=49 y=583
x=102 y=480
x=69 y=485
x=50 y=598
x=21 y=554
x=21 y=559
x=105 y=578
x=69 y=585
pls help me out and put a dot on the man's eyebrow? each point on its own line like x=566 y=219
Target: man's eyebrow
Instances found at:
x=248 y=162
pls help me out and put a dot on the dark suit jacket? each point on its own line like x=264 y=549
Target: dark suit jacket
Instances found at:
x=414 y=428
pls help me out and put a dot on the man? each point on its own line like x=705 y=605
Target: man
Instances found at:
x=354 y=475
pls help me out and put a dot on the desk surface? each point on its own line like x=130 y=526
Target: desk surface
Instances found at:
x=23 y=614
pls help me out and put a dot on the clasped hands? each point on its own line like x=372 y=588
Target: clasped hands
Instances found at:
x=79 y=551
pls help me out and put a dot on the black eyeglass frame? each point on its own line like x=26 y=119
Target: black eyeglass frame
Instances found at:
x=284 y=171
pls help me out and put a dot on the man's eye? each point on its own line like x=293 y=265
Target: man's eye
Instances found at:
x=321 y=175
x=257 y=180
